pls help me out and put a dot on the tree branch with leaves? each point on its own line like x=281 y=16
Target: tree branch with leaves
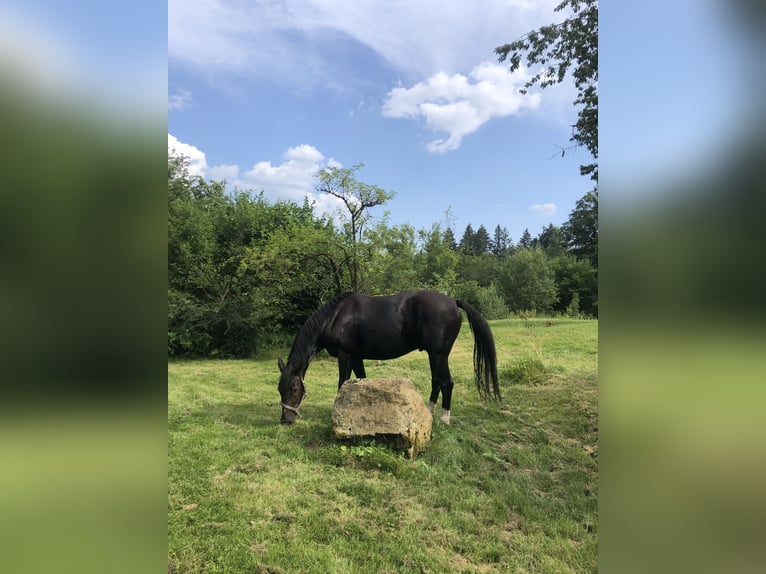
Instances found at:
x=569 y=45
x=358 y=197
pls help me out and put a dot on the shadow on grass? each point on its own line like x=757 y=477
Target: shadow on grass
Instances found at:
x=263 y=419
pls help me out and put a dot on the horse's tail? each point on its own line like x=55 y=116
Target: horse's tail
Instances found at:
x=484 y=356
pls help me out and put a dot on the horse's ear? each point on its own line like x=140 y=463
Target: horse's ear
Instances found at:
x=281 y=365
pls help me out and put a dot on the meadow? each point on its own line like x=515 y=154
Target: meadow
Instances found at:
x=508 y=487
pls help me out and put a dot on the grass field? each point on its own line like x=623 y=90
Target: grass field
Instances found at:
x=505 y=488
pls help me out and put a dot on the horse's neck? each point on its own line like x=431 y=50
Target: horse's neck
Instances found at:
x=301 y=368
x=300 y=361
x=308 y=342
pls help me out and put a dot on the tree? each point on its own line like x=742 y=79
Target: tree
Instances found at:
x=571 y=44
x=241 y=269
x=449 y=239
x=358 y=198
x=479 y=268
x=552 y=240
x=392 y=261
x=527 y=281
x=436 y=261
x=294 y=270
x=500 y=245
x=581 y=229
x=481 y=241
x=526 y=240
x=210 y=311
x=467 y=242
x=575 y=277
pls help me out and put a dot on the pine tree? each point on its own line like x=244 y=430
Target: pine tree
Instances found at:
x=466 y=244
x=526 y=240
x=501 y=242
x=449 y=239
x=481 y=241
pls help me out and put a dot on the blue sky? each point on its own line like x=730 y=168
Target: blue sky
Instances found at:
x=245 y=83
x=264 y=94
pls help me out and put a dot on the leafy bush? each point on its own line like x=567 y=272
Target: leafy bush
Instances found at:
x=573 y=310
x=491 y=303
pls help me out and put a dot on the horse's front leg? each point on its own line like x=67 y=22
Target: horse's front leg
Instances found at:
x=345 y=363
x=359 y=368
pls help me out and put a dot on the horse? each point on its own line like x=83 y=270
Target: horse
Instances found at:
x=353 y=327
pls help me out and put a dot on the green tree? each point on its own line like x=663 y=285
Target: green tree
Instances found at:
x=293 y=271
x=479 y=268
x=575 y=277
x=581 y=229
x=552 y=241
x=237 y=266
x=527 y=281
x=357 y=197
x=467 y=242
x=480 y=241
x=449 y=239
x=501 y=244
x=569 y=45
x=525 y=242
x=209 y=312
x=436 y=262
x=393 y=266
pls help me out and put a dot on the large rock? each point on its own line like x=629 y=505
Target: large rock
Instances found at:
x=390 y=409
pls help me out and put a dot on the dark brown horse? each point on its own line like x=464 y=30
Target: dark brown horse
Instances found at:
x=355 y=327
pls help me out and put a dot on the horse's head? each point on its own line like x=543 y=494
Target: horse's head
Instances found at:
x=292 y=390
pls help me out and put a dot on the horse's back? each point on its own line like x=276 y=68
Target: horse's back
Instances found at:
x=389 y=326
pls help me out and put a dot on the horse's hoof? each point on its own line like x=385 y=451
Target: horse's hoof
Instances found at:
x=445 y=417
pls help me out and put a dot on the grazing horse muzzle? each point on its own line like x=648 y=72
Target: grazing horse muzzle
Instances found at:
x=290 y=413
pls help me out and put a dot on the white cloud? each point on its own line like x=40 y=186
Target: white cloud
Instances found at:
x=261 y=37
x=179 y=100
x=197 y=161
x=223 y=172
x=291 y=180
x=544 y=210
x=460 y=105
x=429 y=44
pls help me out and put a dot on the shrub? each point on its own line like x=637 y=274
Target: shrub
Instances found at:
x=573 y=310
x=491 y=303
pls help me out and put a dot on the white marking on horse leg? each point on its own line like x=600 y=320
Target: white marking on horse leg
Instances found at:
x=431 y=406
x=445 y=416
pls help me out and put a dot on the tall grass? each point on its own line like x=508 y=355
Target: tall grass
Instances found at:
x=506 y=488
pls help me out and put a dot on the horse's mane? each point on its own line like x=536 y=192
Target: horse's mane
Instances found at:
x=305 y=345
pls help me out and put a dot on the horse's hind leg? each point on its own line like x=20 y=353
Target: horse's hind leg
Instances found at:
x=434 y=394
x=447 y=386
x=441 y=380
